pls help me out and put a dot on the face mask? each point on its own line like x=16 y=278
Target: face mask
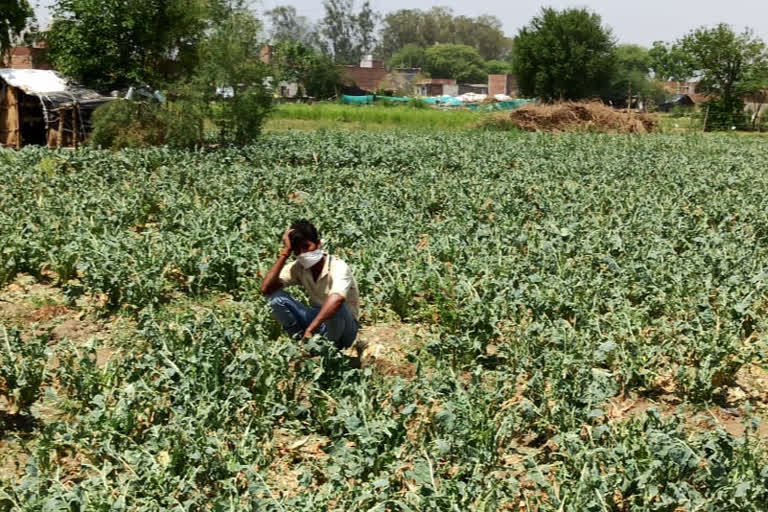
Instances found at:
x=310 y=259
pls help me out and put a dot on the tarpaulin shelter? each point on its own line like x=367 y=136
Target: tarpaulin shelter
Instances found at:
x=40 y=107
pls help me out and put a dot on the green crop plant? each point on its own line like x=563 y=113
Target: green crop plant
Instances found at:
x=534 y=284
x=22 y=369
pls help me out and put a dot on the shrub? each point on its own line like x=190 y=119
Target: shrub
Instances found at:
x=722 y=114
x=122 y=124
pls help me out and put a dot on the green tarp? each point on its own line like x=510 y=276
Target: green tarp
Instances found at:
x=357 y=100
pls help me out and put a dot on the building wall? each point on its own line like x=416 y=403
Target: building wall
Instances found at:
x=451 y=90
x=365 y=78
x=502 y=84
x=681 y=87
x=27 y=57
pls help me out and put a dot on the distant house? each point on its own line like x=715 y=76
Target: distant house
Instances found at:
x=40 y=107
x=687 y=87
x=438 y=87
x=678 y=100
x=368 y=75
x=473 y=88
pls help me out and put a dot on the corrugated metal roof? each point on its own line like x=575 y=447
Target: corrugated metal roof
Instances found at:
x=34 y=81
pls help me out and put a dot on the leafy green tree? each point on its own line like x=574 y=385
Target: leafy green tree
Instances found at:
x=725 y=60
x=670 y=62
x=409 y=56
x=439 y=26
x=455 y=61
x=484 y=33
x=314 y=72
x=563 y=55
x=286 y=25
x=498 y=67
x=230 y=57
x=107 y=43
x=366 y=21
x=348 y=35
x=14 y=15
x=631 y=75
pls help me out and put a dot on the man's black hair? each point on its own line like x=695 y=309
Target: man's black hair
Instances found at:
x=302 y=233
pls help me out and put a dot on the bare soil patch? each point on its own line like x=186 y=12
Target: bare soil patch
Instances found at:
x=388 y=346
x=730 y=419
x=292 y=453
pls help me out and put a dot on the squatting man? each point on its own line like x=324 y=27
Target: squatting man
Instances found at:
x=328 y=282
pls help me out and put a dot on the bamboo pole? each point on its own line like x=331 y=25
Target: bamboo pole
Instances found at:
x=74 y=126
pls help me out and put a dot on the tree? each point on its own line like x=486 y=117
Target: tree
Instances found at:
x=107 y=43
x=366 y=21
x=498 y=67
x=725 y=60
x=439 y=26
x=286 y=25
x=230 y=57
x=14 y=15
x=670 y=62
x=563 y=55
x=727 y=63
x=314 y=72
x=455 y=61
x=631 y=74
x=409 y=56
x=348 y=36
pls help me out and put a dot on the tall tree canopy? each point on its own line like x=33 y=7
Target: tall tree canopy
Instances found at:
x=670 y=62
x=111 y=42
x=313 y=71
x=565 y=55
x=631 y=74
x=725 y=60
x=286 y=25
x=14 y=15
x=348 y=35
x=457 y=61
x=409 y=56
x=439 y=26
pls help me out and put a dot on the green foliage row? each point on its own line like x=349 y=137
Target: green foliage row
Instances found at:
x=548 y=274
x=413 y=116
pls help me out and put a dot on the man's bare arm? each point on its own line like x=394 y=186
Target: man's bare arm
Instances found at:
x=271 y=282
x=331 y=305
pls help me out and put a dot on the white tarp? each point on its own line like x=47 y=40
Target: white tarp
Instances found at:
x=471 y=97
x=34 y=81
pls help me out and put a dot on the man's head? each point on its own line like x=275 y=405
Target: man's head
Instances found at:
x=304 y=237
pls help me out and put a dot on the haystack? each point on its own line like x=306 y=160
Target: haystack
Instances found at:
x=572 y=117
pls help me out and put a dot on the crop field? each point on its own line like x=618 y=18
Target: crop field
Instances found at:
x=334 y=116
x=557 y=323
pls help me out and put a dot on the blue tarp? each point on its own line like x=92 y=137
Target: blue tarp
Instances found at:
x=449 y=101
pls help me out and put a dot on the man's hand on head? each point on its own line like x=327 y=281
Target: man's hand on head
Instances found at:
x=287 y=242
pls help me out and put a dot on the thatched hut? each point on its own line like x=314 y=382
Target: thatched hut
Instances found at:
x=40 y=107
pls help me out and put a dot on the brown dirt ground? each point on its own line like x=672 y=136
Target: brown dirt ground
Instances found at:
x=730 y=419
x=36 y=308
x=388 y=346
x=291 y=454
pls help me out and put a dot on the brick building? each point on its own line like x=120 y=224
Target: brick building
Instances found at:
x=368 y=75
x=502 y=84
x=27 y=57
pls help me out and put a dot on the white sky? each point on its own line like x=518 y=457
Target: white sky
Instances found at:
x=631 y=21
